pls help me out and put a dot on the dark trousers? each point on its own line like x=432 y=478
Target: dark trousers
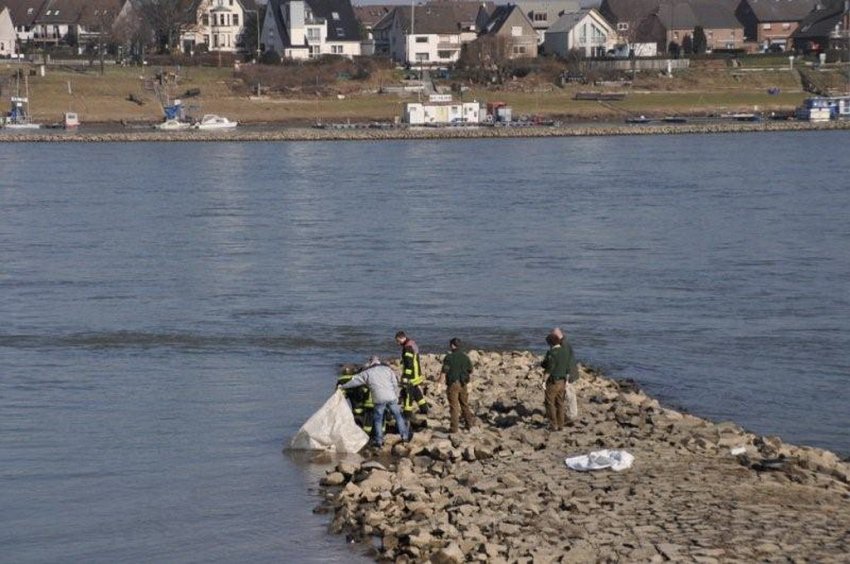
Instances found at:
x=412 y=398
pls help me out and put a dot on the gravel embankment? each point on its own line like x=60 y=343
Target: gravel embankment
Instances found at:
x=365 y=134
x=503 y=493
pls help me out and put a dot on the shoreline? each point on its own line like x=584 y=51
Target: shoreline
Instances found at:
x=503 y=493
x=283 y=133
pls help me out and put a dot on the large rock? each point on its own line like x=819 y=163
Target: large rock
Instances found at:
x=450 y=554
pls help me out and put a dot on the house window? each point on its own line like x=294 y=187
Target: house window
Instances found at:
x=540 y=17
x=235 y=19
x=420 y=39
x=336 y=49
x=340 y=32
x=444 y=54
x=313 y=34
x=623 y=26
x=205 y=20
x=786 y=26
x=422 y=57
x=765 y=26
x=516 y=31
x=518 y=50
x=335 y=15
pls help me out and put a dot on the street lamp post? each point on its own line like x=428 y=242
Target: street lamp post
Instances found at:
x=257 y=18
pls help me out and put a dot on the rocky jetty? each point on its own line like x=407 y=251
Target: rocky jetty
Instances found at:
x=269 y=133
x=502 y=492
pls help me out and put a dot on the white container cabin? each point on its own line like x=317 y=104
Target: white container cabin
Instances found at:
x=441 y=110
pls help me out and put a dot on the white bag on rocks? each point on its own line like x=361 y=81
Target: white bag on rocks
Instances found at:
x=331 y=428
x=616 y=460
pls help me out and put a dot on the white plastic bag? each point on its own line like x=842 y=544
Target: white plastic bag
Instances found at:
x=331 y=428
x=616 y=460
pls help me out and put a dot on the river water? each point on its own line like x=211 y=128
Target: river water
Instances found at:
x=173 y=312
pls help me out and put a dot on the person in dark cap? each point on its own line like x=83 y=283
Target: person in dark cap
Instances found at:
x=560 y=366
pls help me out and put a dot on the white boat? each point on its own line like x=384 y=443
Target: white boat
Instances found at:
x=173 y=125
x=71 y=120
x=19 y=115
x=212 y=121
x=814 y=109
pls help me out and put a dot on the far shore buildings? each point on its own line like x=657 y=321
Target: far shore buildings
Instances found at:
x=23 y=14
x=218 y=26
x=509 y=33
x=431 y=34
x=305 y=29
x=544 y=13
x=672 y=22
x=772 y=23
x=8 y=41
x=583 y=31
x=825 y=28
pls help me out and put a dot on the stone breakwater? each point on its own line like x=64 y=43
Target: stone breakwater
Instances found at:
x=247 y=134
x=502 y=492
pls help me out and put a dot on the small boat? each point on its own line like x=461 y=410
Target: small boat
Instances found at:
x=70 y=120
x=824 y=108
x=19 y=114
x=742 y=116
x=675 y=119
x=173 y=125
x=212 y=121
x=638 y=119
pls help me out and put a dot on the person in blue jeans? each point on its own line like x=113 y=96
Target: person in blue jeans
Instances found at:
x=383 y=384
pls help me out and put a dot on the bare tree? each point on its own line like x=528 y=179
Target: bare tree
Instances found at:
x=486 y=52
x=168 y=19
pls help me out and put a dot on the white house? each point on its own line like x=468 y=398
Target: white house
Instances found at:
x=23 y=14
x=219 y=26
x=7 y=34
x=304 y=29
x=432 y=34
x=441 y=110
x=585 y=31
x=56 y=22
x=74 y=22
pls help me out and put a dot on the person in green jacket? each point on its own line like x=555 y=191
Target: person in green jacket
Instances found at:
x=559 y=365
x=457 y=368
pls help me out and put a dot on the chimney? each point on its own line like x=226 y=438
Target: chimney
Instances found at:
x=295 y=22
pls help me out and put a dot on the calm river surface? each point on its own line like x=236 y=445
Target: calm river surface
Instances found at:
x=171 y=313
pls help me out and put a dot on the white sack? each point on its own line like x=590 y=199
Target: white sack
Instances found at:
x=331 y=428
x=600 y=459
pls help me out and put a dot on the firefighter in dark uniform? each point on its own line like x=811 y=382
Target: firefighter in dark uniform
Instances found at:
x=360 y=397
x=411 y=376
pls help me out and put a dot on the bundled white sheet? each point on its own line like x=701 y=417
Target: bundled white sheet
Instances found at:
x=331 y=428
x=601 y=459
